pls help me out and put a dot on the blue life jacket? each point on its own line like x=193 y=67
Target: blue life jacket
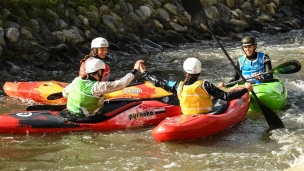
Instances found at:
x=248 y=67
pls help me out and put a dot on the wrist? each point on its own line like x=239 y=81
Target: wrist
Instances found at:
x=134 y=71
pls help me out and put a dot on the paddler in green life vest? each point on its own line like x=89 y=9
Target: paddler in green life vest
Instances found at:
x=85 y=95
x=195 y=95
x=251 y=63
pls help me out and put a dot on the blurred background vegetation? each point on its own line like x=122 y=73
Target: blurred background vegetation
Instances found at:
x=11 y=4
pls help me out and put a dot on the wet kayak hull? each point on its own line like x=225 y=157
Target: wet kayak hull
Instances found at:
x=183 y=127
x=272 y=94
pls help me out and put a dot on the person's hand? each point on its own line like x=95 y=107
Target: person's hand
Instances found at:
x=137 y=64
x=257 y=76
x=142 y=68
x=221 y=85
x=248 y=86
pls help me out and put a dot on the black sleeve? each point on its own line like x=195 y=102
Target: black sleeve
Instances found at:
x=220 y=94
x=134 y=71
x=170 y=86
x=236 y=75
x=268 y=67
x=154 y=80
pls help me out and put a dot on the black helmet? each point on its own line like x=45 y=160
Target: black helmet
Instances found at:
x=248 y=40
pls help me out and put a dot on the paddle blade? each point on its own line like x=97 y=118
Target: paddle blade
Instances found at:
x=289 y=67
x=271 y=117
x=192 y=6
x=196 y=10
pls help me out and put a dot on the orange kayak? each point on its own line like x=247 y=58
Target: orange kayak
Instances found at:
x=38 y=91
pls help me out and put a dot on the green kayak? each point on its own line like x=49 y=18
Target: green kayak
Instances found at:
x=271 y=92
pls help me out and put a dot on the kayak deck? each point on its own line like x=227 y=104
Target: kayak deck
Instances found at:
x=130 y=115
x=36 y=91
x=272 y=93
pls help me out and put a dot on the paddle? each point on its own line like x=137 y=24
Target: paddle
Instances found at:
x=111 y=101
x=158 y=74
x=59 y=95
x=195 y=9
x=46 y=107
x=289 y=67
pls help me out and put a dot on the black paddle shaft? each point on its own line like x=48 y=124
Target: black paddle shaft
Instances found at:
x=288 y=67
x=158 y=74
x=165 y=99
x=196 y=10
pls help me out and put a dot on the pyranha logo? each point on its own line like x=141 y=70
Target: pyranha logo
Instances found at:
x=141 y=114
x=24 y=114
x=132 y=90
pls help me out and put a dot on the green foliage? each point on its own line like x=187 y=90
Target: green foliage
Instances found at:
x=47 y=3
x=10 y=4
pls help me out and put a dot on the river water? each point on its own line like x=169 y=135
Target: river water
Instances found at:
x=247 y=146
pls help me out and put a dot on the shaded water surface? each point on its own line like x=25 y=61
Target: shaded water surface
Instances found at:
x=247 y=146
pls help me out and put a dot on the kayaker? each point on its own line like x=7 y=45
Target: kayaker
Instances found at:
x=251 y=63
x=99 y=49
x=195 y=95
x=85 y=95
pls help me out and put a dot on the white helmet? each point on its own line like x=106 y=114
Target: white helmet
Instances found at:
x=192 y=66
x=93 y=65
x=99 y=42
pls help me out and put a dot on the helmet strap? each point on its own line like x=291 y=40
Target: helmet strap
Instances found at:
x=191 y=78
x=100 y=76
x=243 y=62
x=95 y=51
x=90 y=77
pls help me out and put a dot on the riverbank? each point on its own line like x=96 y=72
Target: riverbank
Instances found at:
x=56 y=38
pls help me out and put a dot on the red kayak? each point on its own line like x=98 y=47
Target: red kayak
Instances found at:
x=122 y=115
x=181 y=127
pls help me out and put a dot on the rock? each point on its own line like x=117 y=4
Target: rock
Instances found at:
x=163 y=14
x=110 y=22
x=178 y=28
x=12 y=34
x=146 y=11
x=151 y=43
x=239 y=25
x=2 y=41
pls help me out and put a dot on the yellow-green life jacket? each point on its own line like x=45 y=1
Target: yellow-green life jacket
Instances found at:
x=81 y=102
